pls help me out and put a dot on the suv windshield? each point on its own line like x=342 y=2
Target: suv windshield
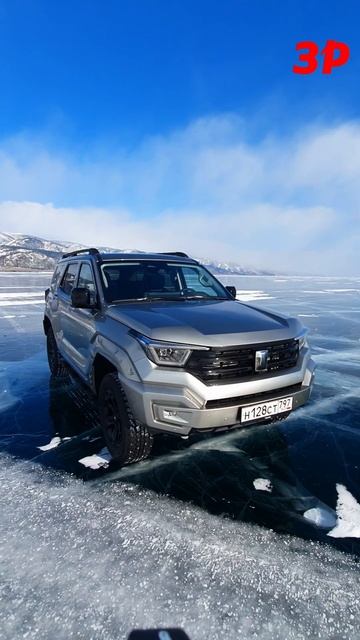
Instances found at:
x=148 y=280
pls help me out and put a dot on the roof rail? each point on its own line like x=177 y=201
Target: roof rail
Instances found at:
x=181 y=254
x=91 y=251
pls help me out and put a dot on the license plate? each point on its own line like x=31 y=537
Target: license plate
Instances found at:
x=266 y=409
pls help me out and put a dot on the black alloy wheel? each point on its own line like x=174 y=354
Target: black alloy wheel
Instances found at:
x=127 y=440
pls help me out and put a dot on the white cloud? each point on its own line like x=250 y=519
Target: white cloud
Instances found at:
x=289 y=203
x=254 y=236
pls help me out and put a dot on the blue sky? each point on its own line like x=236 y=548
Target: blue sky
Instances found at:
x=174 y=113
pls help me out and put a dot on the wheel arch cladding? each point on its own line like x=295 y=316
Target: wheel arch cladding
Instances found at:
x=101 y=367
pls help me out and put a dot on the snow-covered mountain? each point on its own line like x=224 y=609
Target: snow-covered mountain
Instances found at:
x=20 y=252
x=27 y=253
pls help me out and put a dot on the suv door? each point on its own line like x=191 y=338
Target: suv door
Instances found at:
x=79 y=324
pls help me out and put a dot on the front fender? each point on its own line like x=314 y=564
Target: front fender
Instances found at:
x=115 y=355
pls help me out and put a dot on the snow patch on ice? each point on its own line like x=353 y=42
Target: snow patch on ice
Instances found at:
x=54 y=442
x=342 y=290
x=20 y=295
x=348 y=512
x=97 y=460
x=247 y=295
x=16 y=303
x=262 y=484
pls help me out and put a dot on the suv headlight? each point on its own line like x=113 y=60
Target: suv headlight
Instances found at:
x=167 y=353
x=302 y=339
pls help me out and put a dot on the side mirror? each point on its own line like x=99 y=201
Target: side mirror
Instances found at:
x=80 y=298
x=232 y=291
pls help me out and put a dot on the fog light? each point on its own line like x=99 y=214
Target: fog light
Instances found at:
x=173 y=416
x=169 y=414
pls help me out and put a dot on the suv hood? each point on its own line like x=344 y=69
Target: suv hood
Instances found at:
x=217 y=323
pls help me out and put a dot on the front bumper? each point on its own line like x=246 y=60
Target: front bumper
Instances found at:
x=193 y=406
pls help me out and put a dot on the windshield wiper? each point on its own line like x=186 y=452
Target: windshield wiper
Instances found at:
x=128 y=300
x=200 y=297
x=167 y=298
x=148 y=299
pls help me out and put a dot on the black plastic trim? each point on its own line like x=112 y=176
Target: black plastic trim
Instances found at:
x=254 y=398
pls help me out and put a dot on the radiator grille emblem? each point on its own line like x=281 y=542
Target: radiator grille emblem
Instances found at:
x=261 y=360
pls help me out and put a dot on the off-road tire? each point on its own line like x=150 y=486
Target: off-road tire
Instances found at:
x=127 y=440
x=57 y=364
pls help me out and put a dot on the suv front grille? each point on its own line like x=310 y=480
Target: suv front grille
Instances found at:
x=229 y=364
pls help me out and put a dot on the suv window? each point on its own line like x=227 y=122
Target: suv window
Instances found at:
x=199 y=282
x=86 y=280
x=68 y=281
x=57 y=276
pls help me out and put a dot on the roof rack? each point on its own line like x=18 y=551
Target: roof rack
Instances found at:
x=91 y=251
x=181 y=254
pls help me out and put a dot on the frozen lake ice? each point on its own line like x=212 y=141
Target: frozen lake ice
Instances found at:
x=254 y=534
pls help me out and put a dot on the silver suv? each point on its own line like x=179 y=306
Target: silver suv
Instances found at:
x=167 y=348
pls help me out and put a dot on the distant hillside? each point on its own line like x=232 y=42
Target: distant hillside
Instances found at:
x=20 y=252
